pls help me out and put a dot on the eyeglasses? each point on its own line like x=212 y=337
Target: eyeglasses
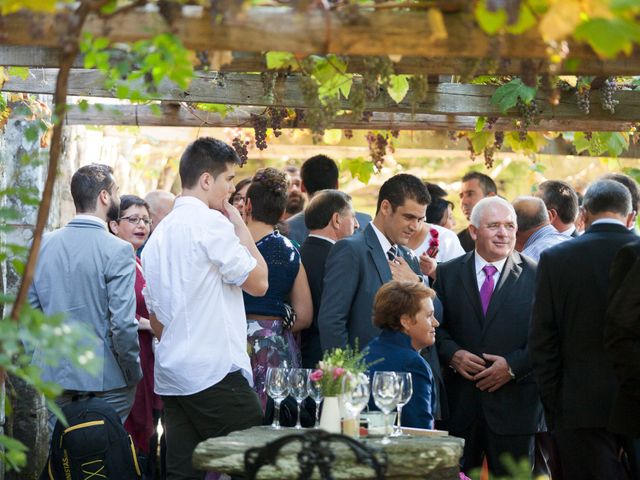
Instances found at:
x=133 y=220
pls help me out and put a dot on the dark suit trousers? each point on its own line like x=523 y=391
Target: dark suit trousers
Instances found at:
x=480 y=441
x=590 y=454
x=227 y=406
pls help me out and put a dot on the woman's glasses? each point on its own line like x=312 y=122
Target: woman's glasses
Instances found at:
x=135 y=220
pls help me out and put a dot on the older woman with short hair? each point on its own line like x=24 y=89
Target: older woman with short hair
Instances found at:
x=405 y=313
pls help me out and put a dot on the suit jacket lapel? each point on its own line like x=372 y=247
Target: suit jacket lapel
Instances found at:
x=411 y=259
x=508 y=277
x=377 y=255
x=470 y=284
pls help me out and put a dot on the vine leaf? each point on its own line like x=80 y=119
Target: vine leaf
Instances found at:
x=480 y=123
x=531 y=144
x=497 y=21
x=479 y=140
x=359 y=168
x=398 y=87
x=506 y=96
x=608 y=37
x=281 y=60
x=332 y=77
x=4 y=76
x=613 y=143
x=20 y=72
x=560 y=21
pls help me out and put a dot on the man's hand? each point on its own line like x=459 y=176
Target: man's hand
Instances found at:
x=428 y=265
x=232 y=214
x=401 y=271
x=467 y=364
x=495 y=376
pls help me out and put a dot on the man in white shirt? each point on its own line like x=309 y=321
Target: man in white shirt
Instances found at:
x=197 y=263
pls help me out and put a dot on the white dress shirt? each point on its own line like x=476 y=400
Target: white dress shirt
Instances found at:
x=480 y=275
x=194 y=265
x=384 y=241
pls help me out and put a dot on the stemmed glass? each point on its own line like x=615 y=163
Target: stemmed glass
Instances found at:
x=355 y=396
x=315 y=392
x=406 y=390
x=386 y=392
x=277 y=386
x=298 y=387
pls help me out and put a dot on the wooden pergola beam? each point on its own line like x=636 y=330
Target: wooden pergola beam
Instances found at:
x=49 y=57
x=247 y=89
x=177 y=115
x=259 y=29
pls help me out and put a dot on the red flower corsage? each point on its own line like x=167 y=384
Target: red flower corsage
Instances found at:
x=434 y=243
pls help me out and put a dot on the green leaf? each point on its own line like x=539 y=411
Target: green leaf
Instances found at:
x=526 y=20
x=480 y=122
x=281 y=60
x=345 y=85
x=365 y=171
x=506 y=96
x=398 y=87
x=155 y=109
x=20 y=72
x=615 y=142
x=100 y=43
x=480 y=140
x=218 y=108
x=624 y=4
x=490 y=22
x=83 y=105
x=57 y=411
x=608 y=37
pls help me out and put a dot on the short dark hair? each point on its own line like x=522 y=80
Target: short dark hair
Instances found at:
x=87 y=183
x=437 y=209
x=322 y=207
x=607 y=196
x=561 y=197
x=436 y=191
x=204 y=155
x=403 y=187
x=631 y=185
x=395 y=299
x=239 y=186
x=319 y=173
x=268 y=195
x=127 y=201
x=486 y=182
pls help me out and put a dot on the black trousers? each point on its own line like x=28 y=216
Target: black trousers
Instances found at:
x=480 y=442
x=590 y=453
x=227 y=406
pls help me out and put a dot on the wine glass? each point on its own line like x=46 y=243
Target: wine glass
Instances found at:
x=355 y=396
x=277 y=386
x=386 y=392
x=406 y=390
x=298 y=387
x=315 y=392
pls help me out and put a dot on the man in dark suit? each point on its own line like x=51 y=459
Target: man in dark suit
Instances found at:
x=561 y=201
x=359 y=265
x=317 y=173
x=574 y=372
x=487 y=296
x=475 y=187
x=622 y=341
x=329 y=218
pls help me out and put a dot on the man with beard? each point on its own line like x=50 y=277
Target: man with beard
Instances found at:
x=295 y=197
x=88 y=275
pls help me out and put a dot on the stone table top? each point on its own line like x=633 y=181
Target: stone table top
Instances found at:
x=409 y=457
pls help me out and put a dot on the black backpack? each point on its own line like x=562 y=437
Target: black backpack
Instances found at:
x=94 y=446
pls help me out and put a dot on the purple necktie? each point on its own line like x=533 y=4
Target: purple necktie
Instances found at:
x=487 y=287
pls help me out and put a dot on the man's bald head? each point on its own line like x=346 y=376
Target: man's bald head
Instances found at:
x=160 y=203
x=532 y=215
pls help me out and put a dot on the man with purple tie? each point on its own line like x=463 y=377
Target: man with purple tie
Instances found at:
x=487 y=296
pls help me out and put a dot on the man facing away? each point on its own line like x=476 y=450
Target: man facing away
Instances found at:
x=475 y=187
x=329 y=218
x=160 y=204
x=317 y=173
x=88 y=274
x=197 y=263
x=561 y=201
x=574 y=372
x=535 y=232
x=487 y=296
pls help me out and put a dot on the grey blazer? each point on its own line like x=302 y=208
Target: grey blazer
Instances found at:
x=88 y=274
x=298 y=231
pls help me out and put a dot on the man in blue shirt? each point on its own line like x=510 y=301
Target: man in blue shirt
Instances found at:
x=535 y=232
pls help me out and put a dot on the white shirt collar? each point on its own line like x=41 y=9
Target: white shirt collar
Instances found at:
x=481 y=262
x=569 y=231
x=384 y=242
x=322 y=237
x=189 y=200
x=91 y=218
x=609 y=221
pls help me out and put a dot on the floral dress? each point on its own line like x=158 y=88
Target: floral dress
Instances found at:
x=269 y=344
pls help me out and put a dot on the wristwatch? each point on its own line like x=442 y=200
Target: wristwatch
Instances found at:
x=513 y=375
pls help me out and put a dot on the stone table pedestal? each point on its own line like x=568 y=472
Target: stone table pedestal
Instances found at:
x=409 y=457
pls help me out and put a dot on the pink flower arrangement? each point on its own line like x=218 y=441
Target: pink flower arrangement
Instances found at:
x=338 y=372
x=316 y=375
x=334 y=366
x=434 y=243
